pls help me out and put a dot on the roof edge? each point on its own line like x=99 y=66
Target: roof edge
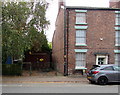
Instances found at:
x=91 y=8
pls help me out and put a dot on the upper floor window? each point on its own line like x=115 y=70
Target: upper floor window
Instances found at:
x=117 y=38
x=80 y=37
x=117 y=19
x=80 y=18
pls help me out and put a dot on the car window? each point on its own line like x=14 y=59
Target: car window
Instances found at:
x=108 y=68
x=95 y=67
x=117 y=68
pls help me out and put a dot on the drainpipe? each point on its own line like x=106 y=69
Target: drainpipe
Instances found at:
x=65 y=43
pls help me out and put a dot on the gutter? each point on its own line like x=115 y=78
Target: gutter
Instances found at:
x=92 y=8
x=65 y=43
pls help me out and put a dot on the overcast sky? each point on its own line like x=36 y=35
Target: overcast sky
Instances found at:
x=53 y=10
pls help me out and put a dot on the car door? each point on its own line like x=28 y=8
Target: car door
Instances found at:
x=117 y=72
x=109 y=72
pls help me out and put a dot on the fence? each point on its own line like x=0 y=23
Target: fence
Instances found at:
x=11 y=69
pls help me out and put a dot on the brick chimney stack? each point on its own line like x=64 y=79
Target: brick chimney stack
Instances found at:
x=114 y=4
x=61 y=3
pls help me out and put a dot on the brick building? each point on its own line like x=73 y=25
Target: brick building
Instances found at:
x=85 y=36
x=114 y=3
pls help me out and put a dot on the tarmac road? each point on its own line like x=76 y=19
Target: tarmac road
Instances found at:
x=53 y=84
x=58 y=87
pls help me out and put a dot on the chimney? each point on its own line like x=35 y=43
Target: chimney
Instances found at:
x=61 y=4
x=114 y=4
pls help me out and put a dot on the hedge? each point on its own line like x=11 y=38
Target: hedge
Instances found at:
x=11 y=69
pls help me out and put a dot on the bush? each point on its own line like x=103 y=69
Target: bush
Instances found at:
x=11 y=69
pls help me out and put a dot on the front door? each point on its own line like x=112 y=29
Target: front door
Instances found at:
x=101 y=59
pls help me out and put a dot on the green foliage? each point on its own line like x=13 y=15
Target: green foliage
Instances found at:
x=38 y=40
x=50 y=45
x=23 y=24
x=14 y=17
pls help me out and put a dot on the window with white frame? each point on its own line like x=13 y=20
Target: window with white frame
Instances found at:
x=117 y=19
x=80 y=18
x=118 y=38
x=117 y=58
x=80 y=37
x=80 y=60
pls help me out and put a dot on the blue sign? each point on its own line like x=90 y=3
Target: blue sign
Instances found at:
x=9 y=60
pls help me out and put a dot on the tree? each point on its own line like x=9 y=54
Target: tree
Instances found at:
x=38 y=40
x=22 y=26
x=14 y=17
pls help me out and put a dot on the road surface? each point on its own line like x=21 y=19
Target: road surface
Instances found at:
x=58 y=88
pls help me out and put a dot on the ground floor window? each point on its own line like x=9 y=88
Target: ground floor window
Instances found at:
x=80 y=60
x=101 y=59
x=117 y=58
x=118 y=38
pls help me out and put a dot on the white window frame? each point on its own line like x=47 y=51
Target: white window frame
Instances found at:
x=102 y=56
x=117 y=38
x=117 y=59
x=80 y=60
x=80 y=18
x=79 y=37
x=117 y=19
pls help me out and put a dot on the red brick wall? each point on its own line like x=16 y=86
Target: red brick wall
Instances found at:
x=58 y=43
x=100 y=24
x=71 y=42
x=114 y=4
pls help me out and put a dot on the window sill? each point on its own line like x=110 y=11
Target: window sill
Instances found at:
x=81 y=23
x=80 y=45
x=117 y=28
x=117 y=45
x=117 y=24
x=117 y=12
x=80 y=68
x=81 y=27
x=81 y=11
x=116 y=51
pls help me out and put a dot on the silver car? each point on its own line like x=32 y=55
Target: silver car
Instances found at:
x=103 y=74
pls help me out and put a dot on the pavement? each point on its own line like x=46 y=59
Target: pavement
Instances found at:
x=44 y=77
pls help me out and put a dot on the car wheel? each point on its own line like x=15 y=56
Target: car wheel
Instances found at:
x=102 y=81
